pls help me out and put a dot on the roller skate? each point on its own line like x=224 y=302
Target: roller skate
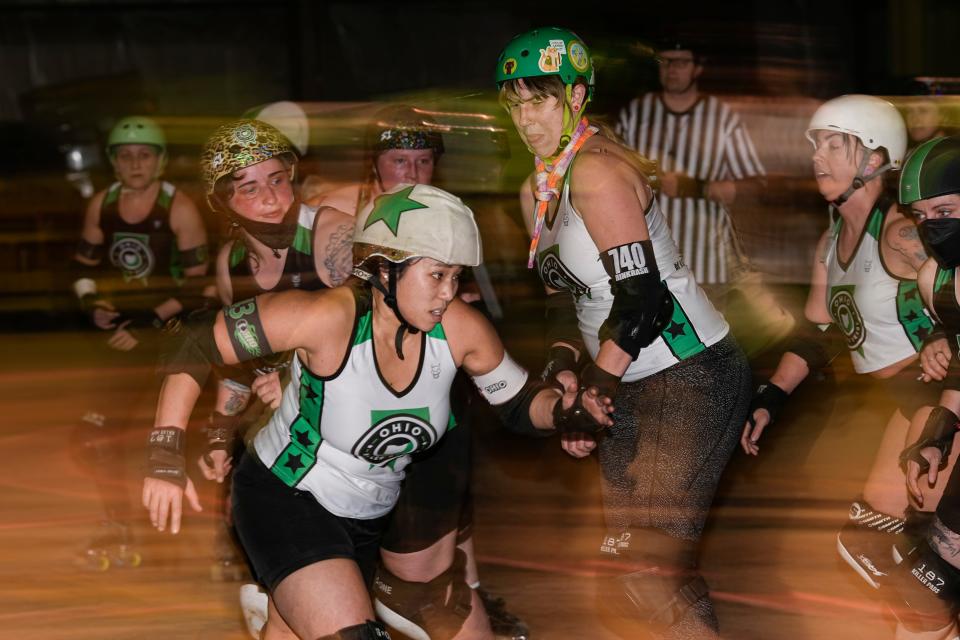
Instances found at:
x=505 y=625
x=253 y=602
x=112 y=546
x=866 y=542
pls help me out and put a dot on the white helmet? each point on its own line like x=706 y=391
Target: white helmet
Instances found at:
x=413 y=221
x=289 y=118
x=874 y=121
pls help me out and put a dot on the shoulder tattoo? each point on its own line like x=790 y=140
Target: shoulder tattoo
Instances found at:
x=338 y=254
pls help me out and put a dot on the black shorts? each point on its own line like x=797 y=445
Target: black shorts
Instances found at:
x=283 y=529
x=435 y=496
x=908 y=392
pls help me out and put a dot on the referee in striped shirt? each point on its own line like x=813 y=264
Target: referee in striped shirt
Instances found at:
x=702 y=149
x=703 y=152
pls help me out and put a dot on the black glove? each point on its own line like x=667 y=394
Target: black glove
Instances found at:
x=221 y=434
x=559 y=358
x=770 y=397
x=576 y=419
x=165 y=459
x=938 y=431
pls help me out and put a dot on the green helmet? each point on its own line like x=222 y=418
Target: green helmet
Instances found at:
x=136 y=130
x=238 y=145
x=933 y=169
x=547 y=51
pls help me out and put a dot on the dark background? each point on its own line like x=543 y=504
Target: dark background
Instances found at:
x=70 y=68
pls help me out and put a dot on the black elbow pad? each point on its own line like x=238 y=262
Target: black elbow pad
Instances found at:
x=642 y=304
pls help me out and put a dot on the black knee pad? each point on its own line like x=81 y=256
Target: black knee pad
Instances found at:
x=660 y=583
x=369 y=630
x=95 y=442
x=424 y=610
x=925 y=592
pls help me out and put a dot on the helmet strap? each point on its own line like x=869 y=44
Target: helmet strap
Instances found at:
x=570 y=120
x=860 y=179
x=390 y=298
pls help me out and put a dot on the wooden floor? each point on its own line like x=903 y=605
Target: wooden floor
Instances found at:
x=769 y=554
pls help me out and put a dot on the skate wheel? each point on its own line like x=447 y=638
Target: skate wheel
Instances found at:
x=133 y=560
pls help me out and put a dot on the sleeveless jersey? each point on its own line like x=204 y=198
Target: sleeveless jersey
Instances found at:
x=143 y=257
x=347 y=438
x=881 y=315
x=568 y=259
x=946 y=306
x=299 y=270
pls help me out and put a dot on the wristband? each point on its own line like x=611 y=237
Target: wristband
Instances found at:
x=559 y=358
x=770 y=397
x=165 y=459
x=222 y=431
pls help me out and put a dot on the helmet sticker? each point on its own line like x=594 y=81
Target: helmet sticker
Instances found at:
x=578 y=57
x=389 y=208
x=559 y=45
x=509 y=66
x=549 y=60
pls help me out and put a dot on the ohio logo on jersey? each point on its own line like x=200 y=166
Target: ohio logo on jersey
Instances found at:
x=130 y=252
x=395 y=434
x=844 y=311
x=557 y=276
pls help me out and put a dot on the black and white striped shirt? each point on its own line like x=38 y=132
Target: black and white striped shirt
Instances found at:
x=707 y=142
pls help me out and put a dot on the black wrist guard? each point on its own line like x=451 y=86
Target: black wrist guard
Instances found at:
x=576 y=419
x=770 y=397
x=165 y=459
x=222 y=432
x=559 y=358
x=604 y=381
x=140 y=318
x=938 y=431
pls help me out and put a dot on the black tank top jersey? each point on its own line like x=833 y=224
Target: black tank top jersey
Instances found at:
x=142 y=260
x=299 y=272
x=946 y=307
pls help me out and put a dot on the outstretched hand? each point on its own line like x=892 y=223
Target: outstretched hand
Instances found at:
x=934 y=359
x=752 y=431
x=215 y=465
x=165 y=500
x=915 y=471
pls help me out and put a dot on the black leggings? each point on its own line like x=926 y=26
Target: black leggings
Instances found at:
x=672 y=436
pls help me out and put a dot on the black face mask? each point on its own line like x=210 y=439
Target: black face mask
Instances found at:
x=941 y=237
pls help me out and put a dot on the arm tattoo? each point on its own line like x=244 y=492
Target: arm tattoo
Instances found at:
x=911 y=247
x=235 y=403
x=944 y=541
x=338 y=254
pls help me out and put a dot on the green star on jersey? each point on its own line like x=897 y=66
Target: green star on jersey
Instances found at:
x=390 y=207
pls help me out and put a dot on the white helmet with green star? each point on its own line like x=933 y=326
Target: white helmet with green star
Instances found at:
x=416 y=221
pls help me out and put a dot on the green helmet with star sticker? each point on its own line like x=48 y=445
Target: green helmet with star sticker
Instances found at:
x=547 y=51
x=416 y=221
x=933 y=169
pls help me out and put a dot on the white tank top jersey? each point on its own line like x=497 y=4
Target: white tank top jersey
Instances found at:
x=347 y=438
x=881 y=315
x=568 y=260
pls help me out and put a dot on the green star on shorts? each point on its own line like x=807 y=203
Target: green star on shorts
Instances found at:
x=390 y=207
